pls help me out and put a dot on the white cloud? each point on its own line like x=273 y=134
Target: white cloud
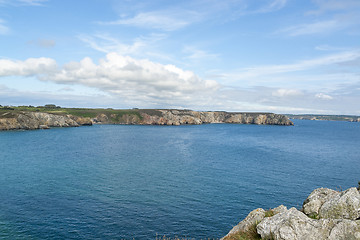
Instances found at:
x=119 y=74
x=282 y=92
x=29 y=67
x=323 y=96
x=125 y=77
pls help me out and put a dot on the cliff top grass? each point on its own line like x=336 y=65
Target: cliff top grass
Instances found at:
x=80 y=112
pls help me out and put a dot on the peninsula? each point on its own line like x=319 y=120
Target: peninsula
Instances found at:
x=43 y=117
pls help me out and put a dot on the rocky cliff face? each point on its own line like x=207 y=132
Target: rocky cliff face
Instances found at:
x=181 y=117
x=38 y=120
x=326 y=214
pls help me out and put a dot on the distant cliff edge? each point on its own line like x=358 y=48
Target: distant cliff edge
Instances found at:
x=42 y=118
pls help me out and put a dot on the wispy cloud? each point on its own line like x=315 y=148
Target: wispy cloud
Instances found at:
x=326 y=47
x=33 y=2
x=329 y=16
x=167 y=20
x=282 y=92
x=274 y=5
x=43 y=43
x=181 y=16
x=311 y=28
x=106 y=43
x=323 y=96
x=23 y=2
x=301 y=65
x=194 y=53
x=324 y=6
x=3 y=28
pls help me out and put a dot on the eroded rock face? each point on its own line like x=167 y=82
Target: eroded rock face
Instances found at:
x=254 y=217
x=327 y=203
x=36 y=120
x=84 y=121
x=316 y=199
x=181 y=117
x=346 y=205
x=295 y=225
x=32 y=120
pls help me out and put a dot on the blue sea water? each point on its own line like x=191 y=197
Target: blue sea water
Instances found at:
x=140 y=182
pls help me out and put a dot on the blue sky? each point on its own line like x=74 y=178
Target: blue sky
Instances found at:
x=283 y=56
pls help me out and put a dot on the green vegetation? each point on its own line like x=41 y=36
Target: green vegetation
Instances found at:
x=251 y=234
x=314 y=216
x=114 y=115
x=269 y=213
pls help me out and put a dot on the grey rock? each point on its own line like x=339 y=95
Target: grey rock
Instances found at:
x=316 y=199
x=345 y=205
x=279 y=209
x=327 y=203
x=295 y=225
x=35 y=120
x=254 y=217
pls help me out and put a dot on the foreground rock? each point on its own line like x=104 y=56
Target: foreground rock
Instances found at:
x=326 y=214
x=326 y=203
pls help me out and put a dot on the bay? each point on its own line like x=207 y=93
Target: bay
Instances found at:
x=140 y=182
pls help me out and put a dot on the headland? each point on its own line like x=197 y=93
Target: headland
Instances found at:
x=43 y=117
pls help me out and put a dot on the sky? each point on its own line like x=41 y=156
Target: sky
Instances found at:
x=282 y=56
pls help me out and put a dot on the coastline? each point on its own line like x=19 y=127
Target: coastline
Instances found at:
x=43 y=118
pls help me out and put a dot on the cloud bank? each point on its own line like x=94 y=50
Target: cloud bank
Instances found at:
x=121 y=76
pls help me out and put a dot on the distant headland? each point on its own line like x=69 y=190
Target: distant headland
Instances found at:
x=348 y=118
x=50 y=115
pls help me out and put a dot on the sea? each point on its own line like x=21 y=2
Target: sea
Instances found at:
x=147 y=182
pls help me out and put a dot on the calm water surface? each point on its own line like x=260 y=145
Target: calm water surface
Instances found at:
x=125 y=182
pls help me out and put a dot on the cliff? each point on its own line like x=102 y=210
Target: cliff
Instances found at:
x=326 y=214
x=181 y=117
x=35 y=118
x=38 y=120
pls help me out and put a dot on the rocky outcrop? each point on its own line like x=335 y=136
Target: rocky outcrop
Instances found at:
x=293 y=224
x=35 y=120
x=82 y=121
x=326 y=203
x=182 y=117
x=326 y=214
